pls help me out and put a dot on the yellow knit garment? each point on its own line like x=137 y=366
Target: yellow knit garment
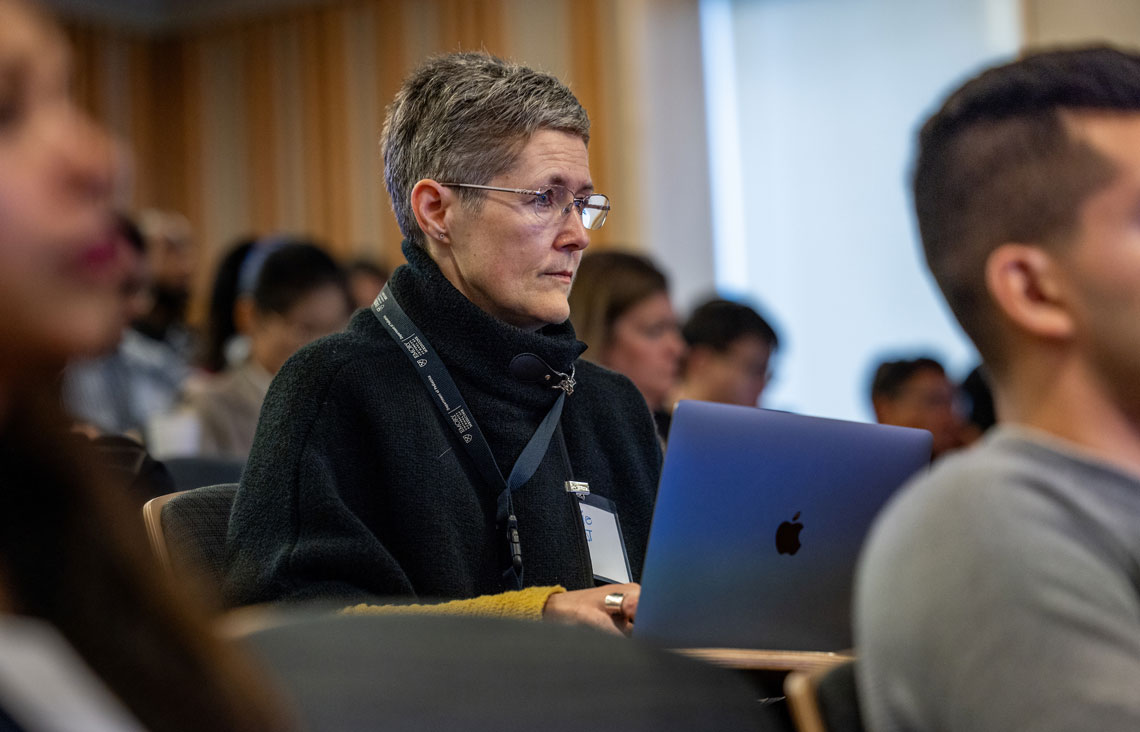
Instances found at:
x=525 y=604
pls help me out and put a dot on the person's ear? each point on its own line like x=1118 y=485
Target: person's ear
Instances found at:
x=244 y=314
x=430 y=204
x=1026 y=282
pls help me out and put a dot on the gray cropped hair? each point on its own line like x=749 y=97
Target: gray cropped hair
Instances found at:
x=465 y=118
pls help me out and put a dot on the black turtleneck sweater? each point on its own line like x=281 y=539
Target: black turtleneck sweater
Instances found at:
x=356 y=487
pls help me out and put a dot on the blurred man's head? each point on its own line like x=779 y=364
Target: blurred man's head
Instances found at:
x=730 y=352
x=171 y=260
x=1027 y=188
x=917 y=393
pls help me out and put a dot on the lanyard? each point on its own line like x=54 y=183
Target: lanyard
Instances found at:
x=436 y=378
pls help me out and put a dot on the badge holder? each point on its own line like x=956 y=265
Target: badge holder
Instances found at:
x=604 y=538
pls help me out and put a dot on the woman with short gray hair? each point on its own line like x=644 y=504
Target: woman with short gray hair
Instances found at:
x=451 y=448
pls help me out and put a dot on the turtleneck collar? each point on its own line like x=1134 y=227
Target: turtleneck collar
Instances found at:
x=473 y=343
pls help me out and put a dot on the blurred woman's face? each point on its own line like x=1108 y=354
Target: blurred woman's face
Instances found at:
x=275 y=337
x=60 y=267
x=646 y=346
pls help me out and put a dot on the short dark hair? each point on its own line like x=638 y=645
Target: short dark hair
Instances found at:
x=292 y=271
x=891 y=376
x=719 y=323
x=998 y=164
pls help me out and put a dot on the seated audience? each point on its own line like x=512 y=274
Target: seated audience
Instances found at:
x=1001 y=591
x=300 y=295
x=222 y=345
x=979 y=406
x=171 y=258
x=143 y=374
x=620 y=307
x=91 y=637
x=365 y=280
x=917 y=393
x=426 y=453
x=730 y=351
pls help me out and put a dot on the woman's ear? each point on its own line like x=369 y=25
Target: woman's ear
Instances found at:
x=1026 y=283
x=430 y=202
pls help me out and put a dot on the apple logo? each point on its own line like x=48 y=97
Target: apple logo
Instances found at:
x=788 y=536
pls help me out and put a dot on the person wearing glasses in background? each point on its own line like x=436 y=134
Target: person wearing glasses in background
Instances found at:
x=441 y=449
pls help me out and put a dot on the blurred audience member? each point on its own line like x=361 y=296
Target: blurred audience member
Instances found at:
x=979 y=406
x=365 y=280
x=92 y=638
x=917 y=393
x=730 y=353
x=620 y=308
x=299 y=295
x=171 y=259
x=117 y=392
x=222 y=345
x=1000 y=591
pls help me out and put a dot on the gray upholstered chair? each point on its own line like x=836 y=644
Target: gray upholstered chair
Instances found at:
x=187 y=530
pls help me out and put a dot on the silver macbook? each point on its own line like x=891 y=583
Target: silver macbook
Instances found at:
x=759 y=519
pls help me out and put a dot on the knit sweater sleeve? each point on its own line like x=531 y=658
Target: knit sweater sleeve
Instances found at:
x=525 y=604
x=294 y=532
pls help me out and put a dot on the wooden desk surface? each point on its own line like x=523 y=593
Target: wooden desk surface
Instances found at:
x=745 y=659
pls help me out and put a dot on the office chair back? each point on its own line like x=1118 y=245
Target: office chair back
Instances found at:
x=187 y=530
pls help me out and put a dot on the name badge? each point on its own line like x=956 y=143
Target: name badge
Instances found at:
x=604 y=539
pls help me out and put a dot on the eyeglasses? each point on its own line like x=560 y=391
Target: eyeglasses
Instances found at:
x=557 y=201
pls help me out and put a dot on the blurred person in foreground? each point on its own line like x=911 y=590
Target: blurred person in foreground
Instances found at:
x=620 y=308
x=731 y=347
x=1001 y=591
x=916 y=392
x=298 y=294
x=358 y=487
x=92 y=637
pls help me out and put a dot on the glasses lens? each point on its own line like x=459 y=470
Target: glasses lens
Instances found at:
x=552 y=203
x=594 y=211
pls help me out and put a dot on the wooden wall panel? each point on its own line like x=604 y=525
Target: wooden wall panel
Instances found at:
x=273 y=123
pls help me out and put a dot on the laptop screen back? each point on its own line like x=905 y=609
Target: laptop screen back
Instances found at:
x=759 y=519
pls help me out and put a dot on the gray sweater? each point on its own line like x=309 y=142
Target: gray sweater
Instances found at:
x=357 y=488
x=1002 y=592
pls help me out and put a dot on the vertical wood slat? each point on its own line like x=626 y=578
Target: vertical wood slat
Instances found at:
x=261 y=130
x=391 y=52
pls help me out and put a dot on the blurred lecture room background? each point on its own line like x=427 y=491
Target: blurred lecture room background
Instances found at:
x=759 y=148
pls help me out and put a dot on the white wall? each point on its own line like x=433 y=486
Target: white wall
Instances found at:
x=825 y=103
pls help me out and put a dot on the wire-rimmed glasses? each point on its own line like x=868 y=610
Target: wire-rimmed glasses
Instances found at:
x=556 y=201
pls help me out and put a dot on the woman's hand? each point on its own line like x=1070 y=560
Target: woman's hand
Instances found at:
x=588 y=607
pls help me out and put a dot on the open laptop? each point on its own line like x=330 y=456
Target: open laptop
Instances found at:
x=759 y=519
